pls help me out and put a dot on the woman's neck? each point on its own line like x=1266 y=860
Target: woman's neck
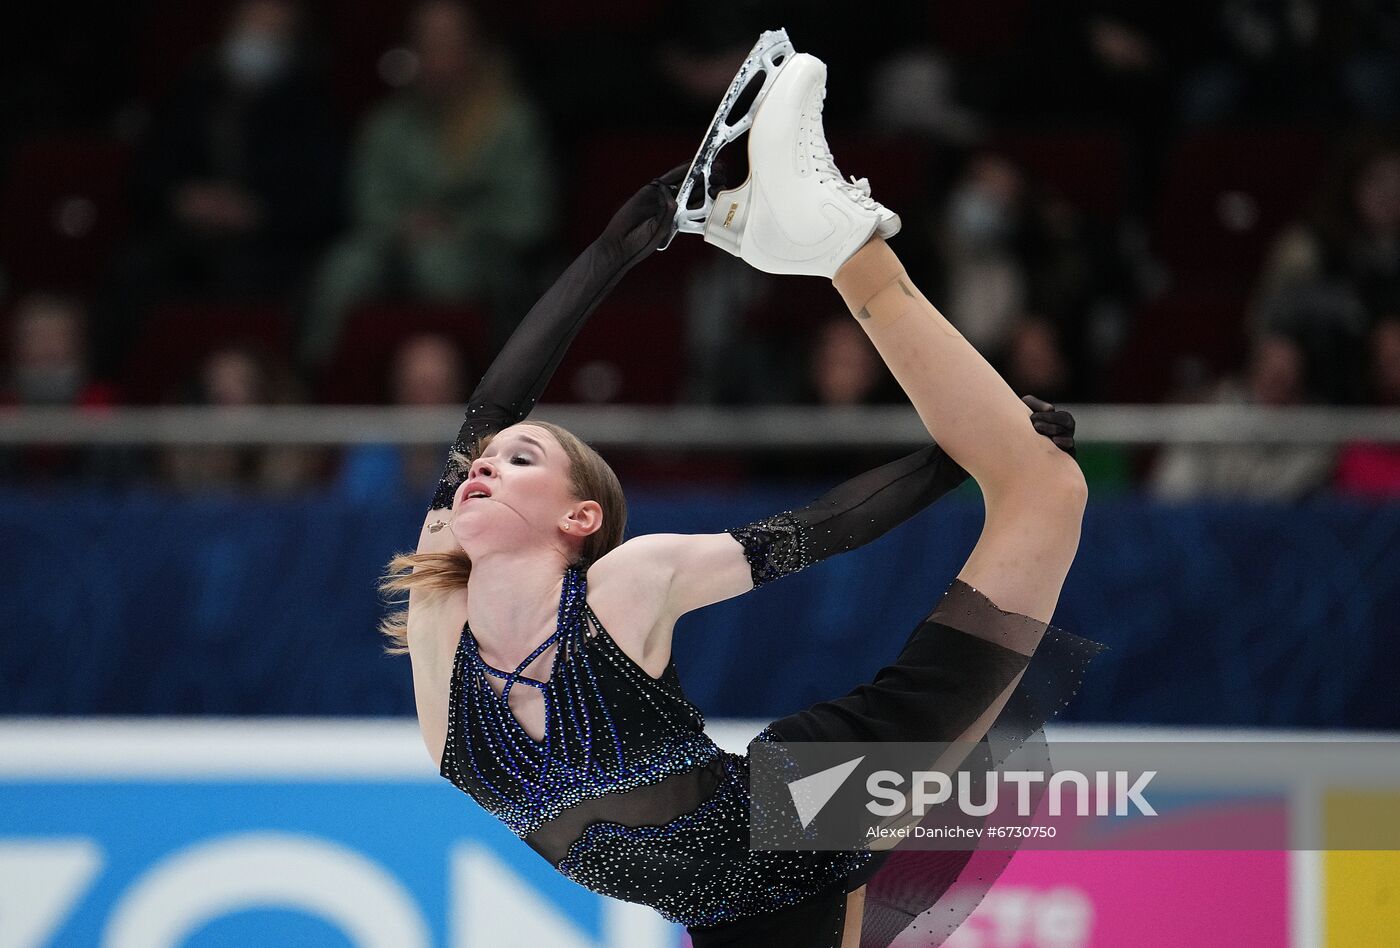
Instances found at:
x=513 y=602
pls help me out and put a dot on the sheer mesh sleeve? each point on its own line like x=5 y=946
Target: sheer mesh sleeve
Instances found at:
x=518 y=375
x=852 y=514
x=871 y=504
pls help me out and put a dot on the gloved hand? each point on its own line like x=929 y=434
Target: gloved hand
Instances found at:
x=1055 y=424
x=645 y=222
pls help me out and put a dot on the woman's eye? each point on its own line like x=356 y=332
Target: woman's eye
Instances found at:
x=520 y=459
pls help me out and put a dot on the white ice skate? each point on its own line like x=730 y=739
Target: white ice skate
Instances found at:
x=795 y=213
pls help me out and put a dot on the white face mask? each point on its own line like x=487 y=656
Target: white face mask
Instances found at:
x=253 y=59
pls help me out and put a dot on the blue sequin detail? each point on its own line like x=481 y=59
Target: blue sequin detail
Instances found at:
x=611 y=727
x=774 y=547
x=584 y=752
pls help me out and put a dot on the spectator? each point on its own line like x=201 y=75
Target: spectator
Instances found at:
x=840 y=369
x=1325 y=278
x=1260 y=59
x=1110 y=60
x=1007 y=249
x=916 y=91
x=1371 y=469
x=1366 y=38
x=1108 y=63
x=1035 y=363
x=48 y=356
x=48 y=367
x=1385 y=362
x=427 y=370
x=843 y=368
x=1264 y=472
x=987 y=285
x=238 y=376
x=237 y=183
x=450 y=182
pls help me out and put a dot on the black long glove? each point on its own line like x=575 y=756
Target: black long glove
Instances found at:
x=1057 y=425
x=869 y=505
x=518 y=375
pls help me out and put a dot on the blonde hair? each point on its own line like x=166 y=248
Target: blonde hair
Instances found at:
x=590 y=478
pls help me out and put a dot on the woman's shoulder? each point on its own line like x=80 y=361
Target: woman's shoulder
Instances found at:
x=627 y=594
x=631 y=572
x=681 y=572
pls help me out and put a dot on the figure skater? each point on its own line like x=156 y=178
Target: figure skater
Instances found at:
x=540 y=642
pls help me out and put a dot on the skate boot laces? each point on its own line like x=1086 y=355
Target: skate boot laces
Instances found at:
x=857 y=189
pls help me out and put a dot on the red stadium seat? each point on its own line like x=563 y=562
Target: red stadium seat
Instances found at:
x=175 y=338
x=172 y=35
x=977 y=28
x=630 y=352
x=614 y=167
x=62 y=207
x=1085 y=167
x=898 y=168
x=358 y=371
x=1228 y=192
x=562 y=17
x=359 y=32
x=1204 y=324
x=793 y=307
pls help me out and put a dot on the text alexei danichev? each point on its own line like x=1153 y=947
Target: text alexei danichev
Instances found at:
x=958 y=832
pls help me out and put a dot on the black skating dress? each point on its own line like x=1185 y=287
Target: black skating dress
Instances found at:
x=626 y=795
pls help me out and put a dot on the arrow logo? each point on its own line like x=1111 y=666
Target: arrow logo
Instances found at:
x=810 y=794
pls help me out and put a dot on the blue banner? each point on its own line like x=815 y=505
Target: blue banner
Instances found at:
x=379 y=860
x=1216 y=614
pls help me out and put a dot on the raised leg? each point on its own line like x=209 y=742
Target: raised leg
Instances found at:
x=1034 y=494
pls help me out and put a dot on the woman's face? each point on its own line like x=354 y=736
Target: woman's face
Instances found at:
x=445 y=42
x=844 y=366
x=530 y=499
x=233 y=378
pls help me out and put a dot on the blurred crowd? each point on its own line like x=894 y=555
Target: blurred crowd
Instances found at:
x=287 y=201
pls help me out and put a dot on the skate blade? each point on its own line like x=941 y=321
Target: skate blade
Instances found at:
x=769 y=54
